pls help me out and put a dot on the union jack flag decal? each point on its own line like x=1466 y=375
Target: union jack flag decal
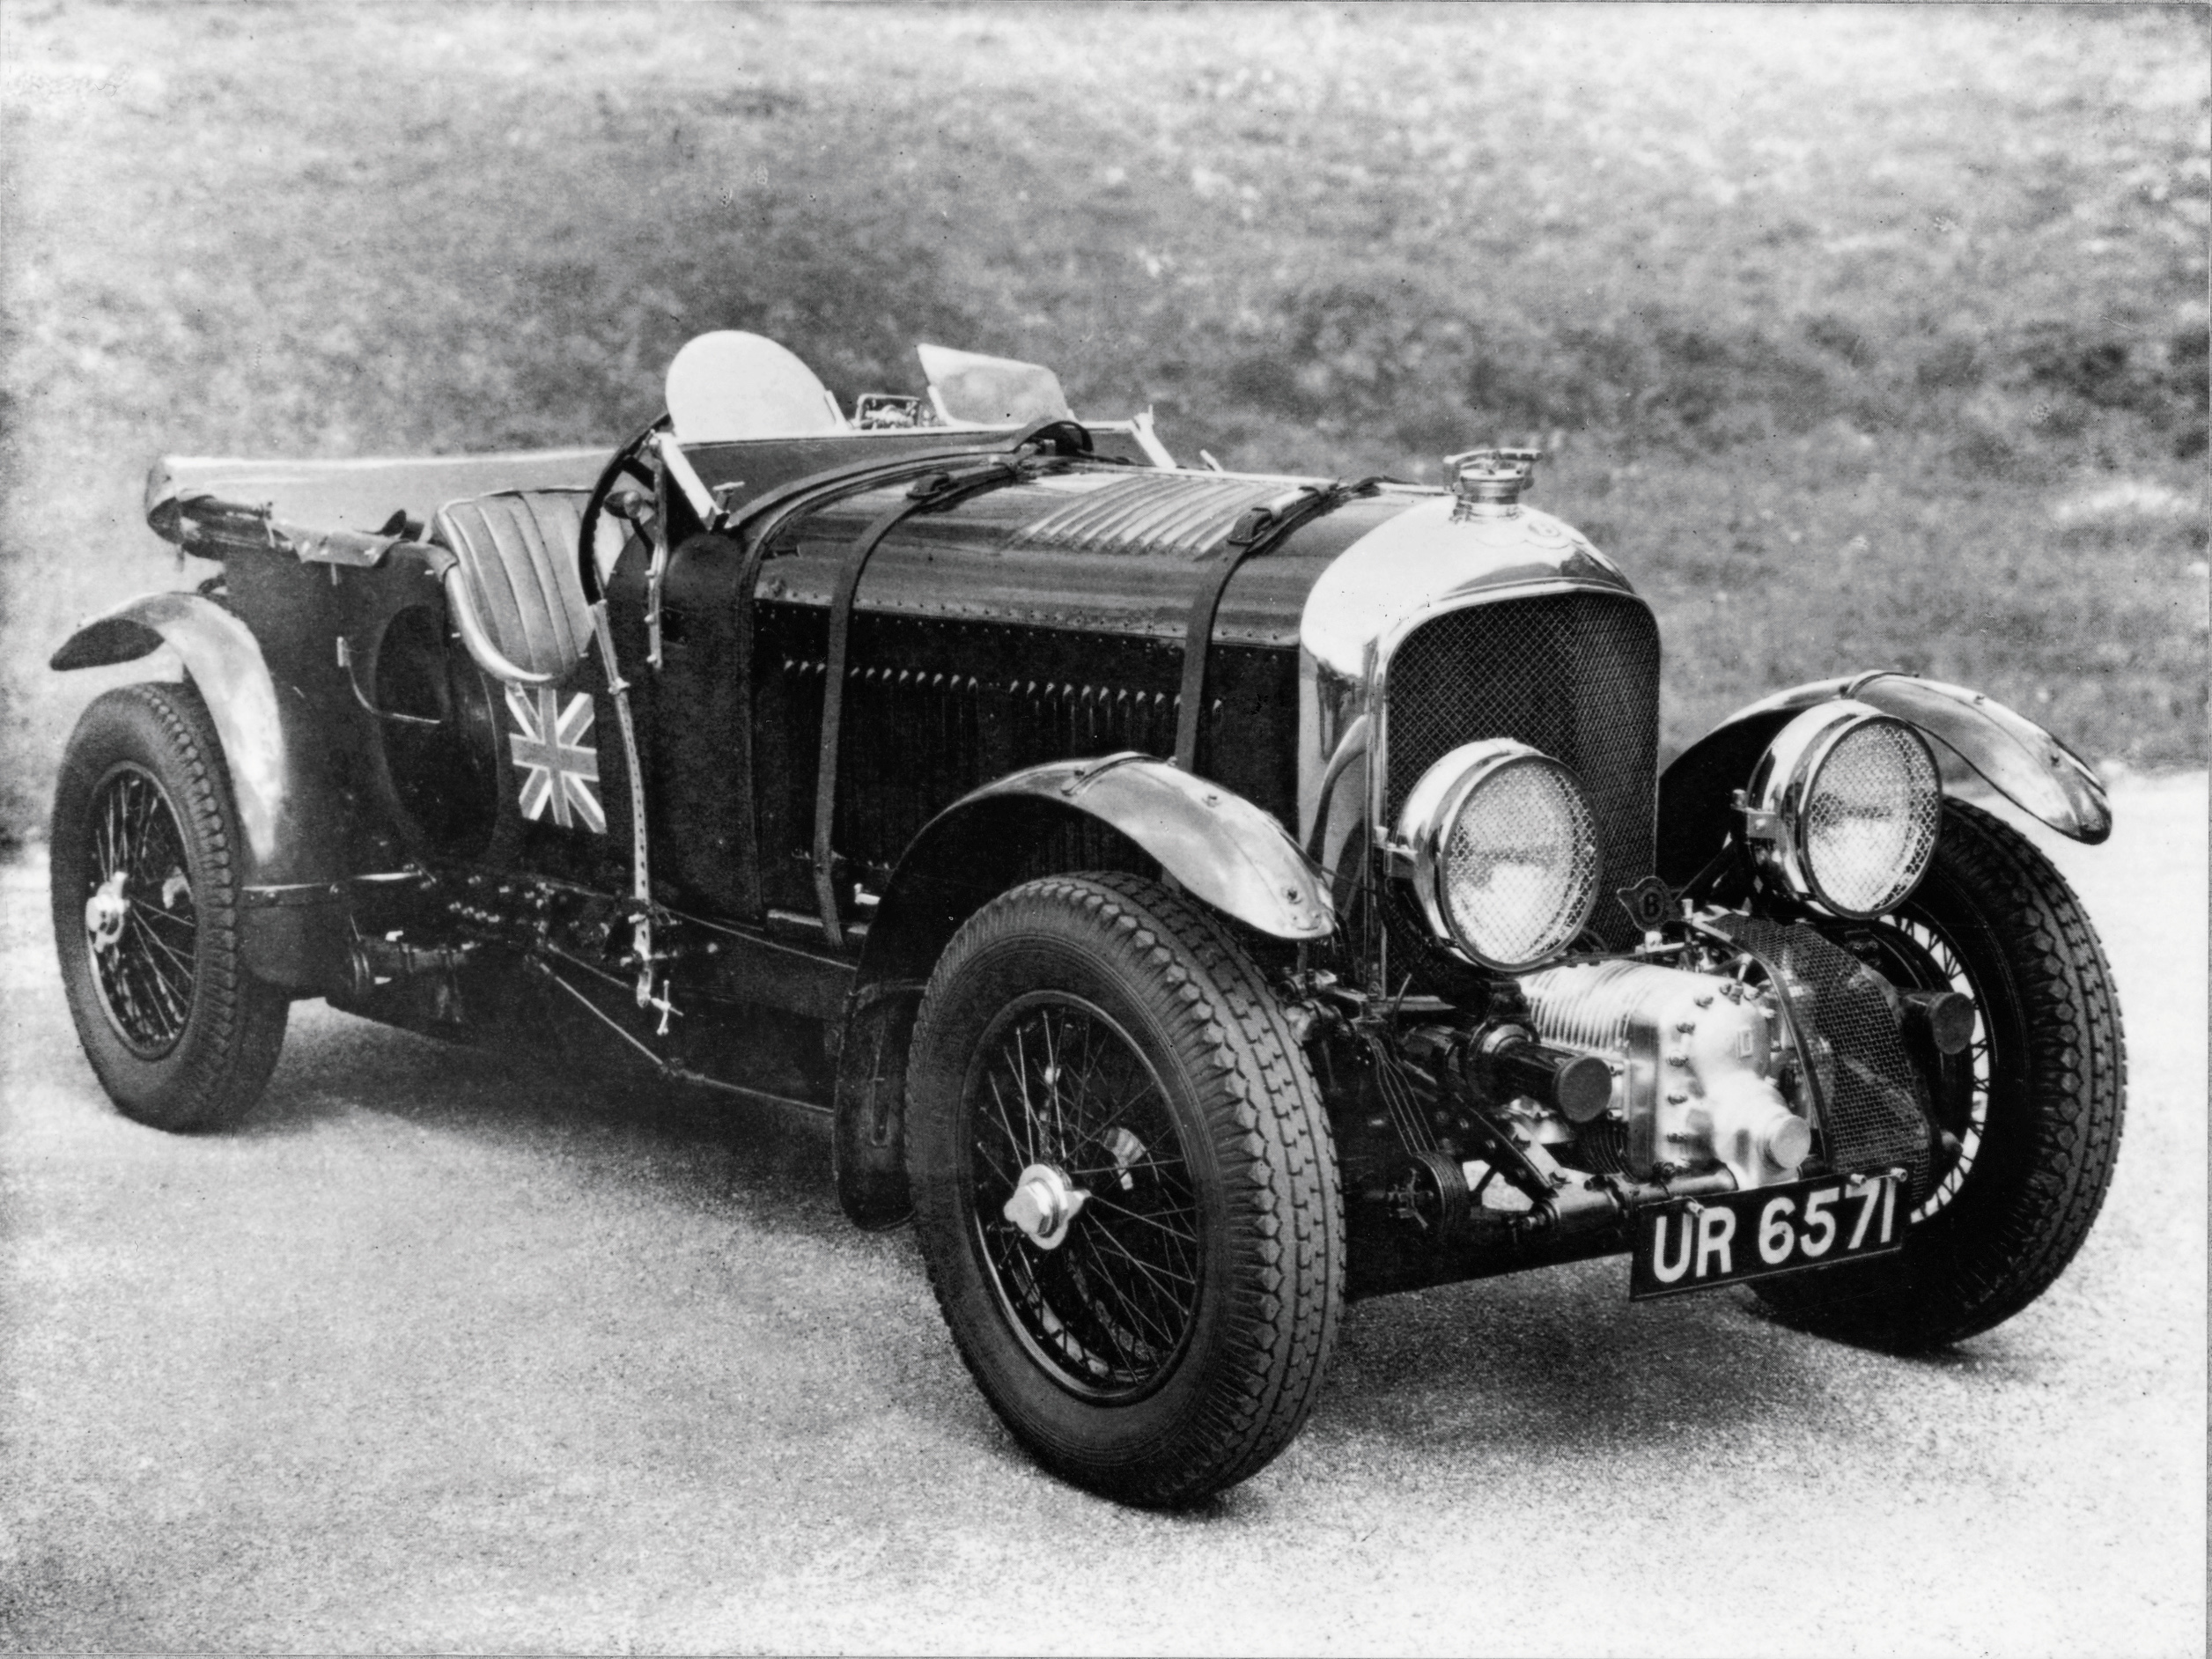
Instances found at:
x=560 y=767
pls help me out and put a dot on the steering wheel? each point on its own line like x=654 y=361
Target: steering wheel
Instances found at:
x=626 y=461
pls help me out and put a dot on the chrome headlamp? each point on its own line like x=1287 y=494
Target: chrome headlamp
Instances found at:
x=1844 y=808
x=1502 y=853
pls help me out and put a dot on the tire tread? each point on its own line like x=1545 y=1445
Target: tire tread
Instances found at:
x=236 y=1028
x=2075 y=1084
x=2077 y=1062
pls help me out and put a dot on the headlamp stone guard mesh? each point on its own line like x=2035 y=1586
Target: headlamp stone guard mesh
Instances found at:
x=1871 y=761
x=1532 y=909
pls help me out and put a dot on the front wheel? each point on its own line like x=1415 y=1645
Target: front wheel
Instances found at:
x=1125 y=1187
x=2029 y=1116
x=145 y=876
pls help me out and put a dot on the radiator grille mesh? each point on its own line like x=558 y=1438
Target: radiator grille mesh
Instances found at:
x=1575 y=675
x=1873 y=1118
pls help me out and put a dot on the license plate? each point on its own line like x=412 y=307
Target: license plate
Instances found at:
x=1697 y=1244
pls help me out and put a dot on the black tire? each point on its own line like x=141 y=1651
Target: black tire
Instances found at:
x=2035 y=1106
x=181 y=1034
x=1119 y=1371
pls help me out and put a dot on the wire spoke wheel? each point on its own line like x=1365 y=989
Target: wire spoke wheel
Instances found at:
x=1123 y=1186
x=147 y=891
x=1059 y=1085
x=2028 y=1114
x=141 y=925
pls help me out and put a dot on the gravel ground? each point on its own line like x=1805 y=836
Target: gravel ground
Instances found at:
x=440 y=1354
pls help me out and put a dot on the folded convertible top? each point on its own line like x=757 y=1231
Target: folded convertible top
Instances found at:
x=357 y=495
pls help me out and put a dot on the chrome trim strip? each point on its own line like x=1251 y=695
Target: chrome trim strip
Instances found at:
x=462 y=601
x=1354 y=746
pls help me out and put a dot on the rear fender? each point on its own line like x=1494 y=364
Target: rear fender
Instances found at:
x=1225 y=851
x=2012 y=754
x=225 y=660
x=294 y=835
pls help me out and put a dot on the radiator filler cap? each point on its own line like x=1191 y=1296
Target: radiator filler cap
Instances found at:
x=1489 y=482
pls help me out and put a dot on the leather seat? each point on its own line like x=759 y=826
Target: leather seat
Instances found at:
x=517 y=550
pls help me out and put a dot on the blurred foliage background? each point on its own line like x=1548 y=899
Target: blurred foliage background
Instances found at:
x=1864 y=336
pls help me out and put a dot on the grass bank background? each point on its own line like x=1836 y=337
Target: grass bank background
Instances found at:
x=1866 y=336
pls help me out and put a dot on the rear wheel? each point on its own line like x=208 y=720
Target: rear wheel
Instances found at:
x=1125 y=1187
x=2029 y=1113
x=145 y=874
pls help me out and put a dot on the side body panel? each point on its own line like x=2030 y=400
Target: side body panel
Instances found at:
x=1033 y=624
x=936 y=709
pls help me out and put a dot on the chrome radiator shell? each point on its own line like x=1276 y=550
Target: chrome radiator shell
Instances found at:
x=1420 y=564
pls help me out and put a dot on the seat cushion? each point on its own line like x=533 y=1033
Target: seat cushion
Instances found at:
x=517 y=550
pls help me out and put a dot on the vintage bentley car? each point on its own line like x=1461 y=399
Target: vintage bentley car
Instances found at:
x=1194 y=898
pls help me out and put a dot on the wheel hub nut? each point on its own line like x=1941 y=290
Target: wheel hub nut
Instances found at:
x=105 y=910
x=1044 y=1204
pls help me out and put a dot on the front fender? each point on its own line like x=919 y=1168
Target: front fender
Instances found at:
x=2012 y=754
x=225 y=660
x=1223 y=849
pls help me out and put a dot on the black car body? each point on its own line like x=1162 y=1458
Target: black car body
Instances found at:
x=1196 y=897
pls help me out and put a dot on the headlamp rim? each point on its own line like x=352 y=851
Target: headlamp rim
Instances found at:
x=1783 y=783
x=1433 y=807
